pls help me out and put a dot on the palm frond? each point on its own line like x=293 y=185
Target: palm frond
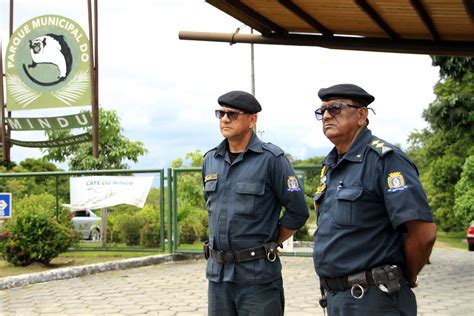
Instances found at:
x=22 y=94
x=74 y=89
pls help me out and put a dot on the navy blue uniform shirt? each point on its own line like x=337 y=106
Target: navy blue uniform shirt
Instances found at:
x=362 y=202
x=244 y=199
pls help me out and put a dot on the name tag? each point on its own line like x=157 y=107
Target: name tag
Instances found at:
x=210 y=177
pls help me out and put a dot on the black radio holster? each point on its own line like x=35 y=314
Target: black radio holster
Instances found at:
x=387 y=278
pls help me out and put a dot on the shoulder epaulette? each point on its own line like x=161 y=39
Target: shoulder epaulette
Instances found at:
x=274 y=149
x=213 y=149
x=380 y=146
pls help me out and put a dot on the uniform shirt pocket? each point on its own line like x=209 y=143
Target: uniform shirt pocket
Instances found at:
x=346 y=199
x=247 y=192
x=210 y=186
x=210 y=189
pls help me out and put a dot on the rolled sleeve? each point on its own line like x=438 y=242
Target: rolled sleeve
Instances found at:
x=403 y=193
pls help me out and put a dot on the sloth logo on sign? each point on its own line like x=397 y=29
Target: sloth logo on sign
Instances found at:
x=48 y=65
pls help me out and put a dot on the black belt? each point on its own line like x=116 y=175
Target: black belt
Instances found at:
x=268 y=251
x=386 y=277
x=343 y=283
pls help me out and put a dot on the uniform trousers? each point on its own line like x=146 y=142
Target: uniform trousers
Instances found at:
x=373 y=303
x=232 y=299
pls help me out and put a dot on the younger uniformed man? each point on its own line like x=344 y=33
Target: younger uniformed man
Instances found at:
x=375 y=228
x=246 y=183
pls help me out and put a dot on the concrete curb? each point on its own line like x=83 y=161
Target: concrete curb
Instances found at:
x=73 y=272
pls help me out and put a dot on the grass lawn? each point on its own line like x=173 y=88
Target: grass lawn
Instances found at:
x=70 y=259
x=90 y=256
x=452 y=239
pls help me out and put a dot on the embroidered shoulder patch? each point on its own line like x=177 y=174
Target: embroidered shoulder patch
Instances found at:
x=396 y=182
x=293 y=184
x=210 y=177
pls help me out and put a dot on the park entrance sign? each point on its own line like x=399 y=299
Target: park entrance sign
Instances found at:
x=48 y=65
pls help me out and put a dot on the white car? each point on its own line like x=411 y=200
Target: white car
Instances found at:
x=87 y=223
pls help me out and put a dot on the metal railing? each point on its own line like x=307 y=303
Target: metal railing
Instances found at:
x=170 y=198
x=57 y=174
x=173 y=189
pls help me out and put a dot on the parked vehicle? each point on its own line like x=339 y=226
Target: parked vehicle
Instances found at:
x=470 y=237
x=86 y=223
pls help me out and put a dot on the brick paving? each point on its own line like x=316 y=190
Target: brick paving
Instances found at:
x=180 y=288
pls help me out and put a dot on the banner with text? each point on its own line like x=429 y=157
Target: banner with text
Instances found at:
x=46 y=123
x=76 y=139
x=48 y=65
x=96 y=192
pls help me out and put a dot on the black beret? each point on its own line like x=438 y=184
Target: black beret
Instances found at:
x=346 y=91
x=240 y=100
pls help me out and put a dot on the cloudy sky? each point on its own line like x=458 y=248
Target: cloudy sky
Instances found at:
x=165 y=90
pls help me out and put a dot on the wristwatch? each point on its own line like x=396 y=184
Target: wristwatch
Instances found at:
x=413 y=284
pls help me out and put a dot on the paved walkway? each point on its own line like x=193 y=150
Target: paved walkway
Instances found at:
x=180 y=288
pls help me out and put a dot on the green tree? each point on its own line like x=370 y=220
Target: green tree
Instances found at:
x=312 y=171
x=21 y=186
x=441 y=149
x=114 y=148
x=464 y=193
x=192 y=214
x=312 y=174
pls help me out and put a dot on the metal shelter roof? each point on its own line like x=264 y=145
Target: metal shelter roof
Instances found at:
x=436 y=27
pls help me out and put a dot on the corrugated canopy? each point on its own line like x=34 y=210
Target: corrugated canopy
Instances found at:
x=437 y=27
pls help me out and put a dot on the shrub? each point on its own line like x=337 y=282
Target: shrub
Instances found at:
x=204 y=235
x=113 y=229
x=302 y=234
x=190 y=230
x=130 y=229
x=34 y=237
x=43 y=202
x=149 y=214
x=150 y=235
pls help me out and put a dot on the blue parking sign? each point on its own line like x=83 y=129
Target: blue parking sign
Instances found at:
x=5 y=205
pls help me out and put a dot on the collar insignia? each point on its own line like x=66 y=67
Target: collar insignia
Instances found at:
x=380 y=146
x=322 y=181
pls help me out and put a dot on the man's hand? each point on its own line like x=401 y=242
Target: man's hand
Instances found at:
x=283 y=234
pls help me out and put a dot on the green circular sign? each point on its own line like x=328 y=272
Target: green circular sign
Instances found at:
x=48 y=65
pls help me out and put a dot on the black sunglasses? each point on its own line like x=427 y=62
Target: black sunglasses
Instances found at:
x=333 y=110
x=231 y=115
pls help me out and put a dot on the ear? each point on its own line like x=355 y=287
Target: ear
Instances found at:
x=363 y=114
x=253 y=121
